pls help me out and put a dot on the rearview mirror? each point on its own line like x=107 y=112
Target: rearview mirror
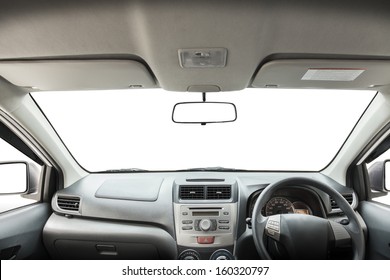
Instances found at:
x=204 y=112
x=13 y=177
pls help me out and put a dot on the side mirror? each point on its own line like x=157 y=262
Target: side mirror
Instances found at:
x=14 y=177
x=204 y=112
x=379 y=175
x=387 y=175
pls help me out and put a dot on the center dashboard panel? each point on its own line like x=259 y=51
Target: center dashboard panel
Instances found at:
x=205 y=218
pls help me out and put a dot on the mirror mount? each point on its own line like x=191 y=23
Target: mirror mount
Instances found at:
x=376 y=174
x=204 y=100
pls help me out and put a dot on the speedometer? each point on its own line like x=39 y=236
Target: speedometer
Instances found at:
x=279 y=205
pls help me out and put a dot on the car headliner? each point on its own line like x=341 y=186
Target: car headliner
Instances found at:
x=152 y=31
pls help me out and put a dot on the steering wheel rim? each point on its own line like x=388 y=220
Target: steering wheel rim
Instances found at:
x=259 y=221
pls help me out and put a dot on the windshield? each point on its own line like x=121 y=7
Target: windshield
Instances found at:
x=275 y=129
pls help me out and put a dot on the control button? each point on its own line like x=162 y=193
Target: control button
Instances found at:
x=226 y=213
x=196 y=225
x=224 y=227
x=205 y=224
x=186 y=228
x=184 y=213
x=205 y=239
x=213 y=225
x=272 y=228
x=223 y=221
x=187 y=222
x=273 y=225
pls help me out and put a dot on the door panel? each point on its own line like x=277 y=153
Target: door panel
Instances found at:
x=21 y=232
x=377 y=218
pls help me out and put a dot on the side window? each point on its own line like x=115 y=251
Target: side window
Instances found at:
x=379 y=178
x=19 y=178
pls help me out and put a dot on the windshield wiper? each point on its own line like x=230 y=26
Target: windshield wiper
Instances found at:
x=124 y=170
x=217 y=168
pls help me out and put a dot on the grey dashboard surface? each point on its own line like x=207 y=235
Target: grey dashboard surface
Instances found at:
x=79 y=238
x=148 y=197
x=133 y=188
x=142 y=198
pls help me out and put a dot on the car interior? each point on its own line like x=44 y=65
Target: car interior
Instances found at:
x=194 y=130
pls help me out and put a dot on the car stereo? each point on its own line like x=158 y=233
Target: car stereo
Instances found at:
x=206 y=224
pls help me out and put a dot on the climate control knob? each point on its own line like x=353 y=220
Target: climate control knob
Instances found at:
x=189 y=255
x=205 y=224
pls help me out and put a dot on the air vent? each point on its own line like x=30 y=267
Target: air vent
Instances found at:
x=192 y=192
x=219 y=192
x=199 y=192
x=70 y=203
x=348 y=197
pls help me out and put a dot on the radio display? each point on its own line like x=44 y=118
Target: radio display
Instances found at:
x=205 y=213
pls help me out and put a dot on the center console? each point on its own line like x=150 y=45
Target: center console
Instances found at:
x=205 y=219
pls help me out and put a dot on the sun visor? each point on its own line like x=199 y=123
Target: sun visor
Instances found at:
x=77 y=74
x=327 y=74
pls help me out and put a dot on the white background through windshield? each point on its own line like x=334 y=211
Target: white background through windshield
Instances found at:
x=275 y=129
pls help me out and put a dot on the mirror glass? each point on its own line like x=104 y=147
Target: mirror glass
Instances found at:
x=13 y=177
x=204 y=112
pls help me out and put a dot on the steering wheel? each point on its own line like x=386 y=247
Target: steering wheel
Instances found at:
x=304 y=236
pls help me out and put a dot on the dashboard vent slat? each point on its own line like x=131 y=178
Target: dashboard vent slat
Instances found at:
x=348 y=197
x=219 y=192
x=203 y=192
x=192 y=192
x=70 y=203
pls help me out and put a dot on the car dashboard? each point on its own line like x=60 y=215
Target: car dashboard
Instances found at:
x=174 y=215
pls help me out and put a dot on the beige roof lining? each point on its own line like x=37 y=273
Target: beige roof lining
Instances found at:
x=156 y=30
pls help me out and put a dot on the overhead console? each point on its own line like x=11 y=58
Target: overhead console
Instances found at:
x=205 y=218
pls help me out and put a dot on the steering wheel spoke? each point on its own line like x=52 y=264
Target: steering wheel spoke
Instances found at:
x=341 y=235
